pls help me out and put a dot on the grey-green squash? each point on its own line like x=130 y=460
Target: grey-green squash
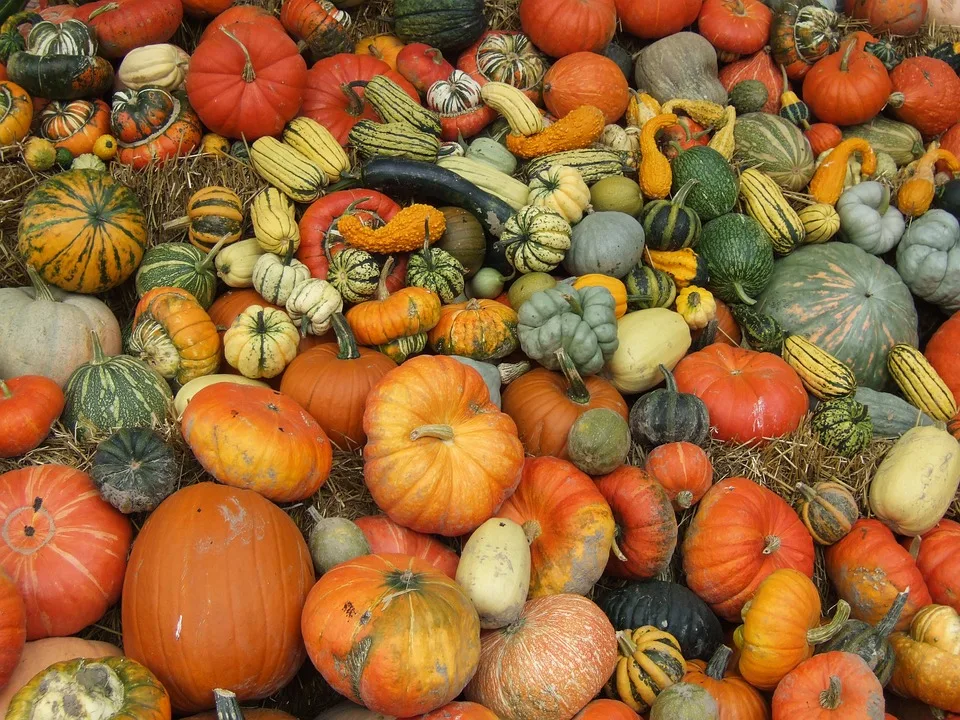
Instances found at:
x=609 y=243
x=891 y=415
x=490 y=374
x=739 y=257
x=493 y=153
x=716 y=190
x=598 y=441
x=135 y=470
x=843 y=425
x=684 y=701
x=617 y=193
x=776 y=147
x=334 y=540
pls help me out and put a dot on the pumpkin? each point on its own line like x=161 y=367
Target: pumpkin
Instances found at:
x=922 y=87
x=899 y=18
x=647 y=339
x=650 y=661
x=76 y=125
x=478 y=329
x=743 y=522
x=848 y=303
x=185 y=394
x=242 y=544
x=665 y=416
x=683 y=470
x=943 y=353
x=559 y=641
x=736 y=698
x=828 y=510
x=13 y=627
x=385 y=537
x=608 y=243
x=651 y=20
x=238 y=14
x=599 y=441
x=66 y=537
x=122 y=25
x=645 y=534
x=781 y=626
x=823 y=137
x=450 y=414
x=545 y=405
x=29 y=405
x=227 y=308
x=606 y=710
x=735 y=26
x=384 y=47
x=435 y=624
x=261 y=342
x=568 y=27
x=114 y=686
x=585 y=78
x=134 y=470
x=16 y=113
x=460 y=711
x=868 y=569
x=152 y=126
x=832 y=685
x=926 y=667
x=937 y=560
x=83 y=231
x=224 y=423
x=848 y=87
x=422 y=65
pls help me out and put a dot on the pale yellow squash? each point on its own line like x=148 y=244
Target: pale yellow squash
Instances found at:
x=186 y=393
x=648 y=338
x=494 y=571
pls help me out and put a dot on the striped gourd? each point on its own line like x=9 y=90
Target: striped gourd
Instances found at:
x=274 y=222
x=648 y=287
x=762 y=332
x=920 y=383
x=317 y=144
x=820 y=372
x=288 y=170
x=820 y=223
x=214 y=213
x=354 y=273
x=438 y=271
x=764 y=202
x=394 y=105
x=393 y=139
x=594 y=164
x=775 y=147
x=684 y=266
x=486 y=177
x=668 y=224
x=518 y=110
x=843 y=425
x=899 y=140
x=179 y=265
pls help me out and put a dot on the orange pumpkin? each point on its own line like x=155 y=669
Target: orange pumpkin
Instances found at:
x=480 y=329
x=558 y=506
x=823 y=137
x=900 y=17
x=460 y=711
x=563 y=27
x=29 y=405
x=652 y=19
x=606 y=710
x=736 y=698
x=13 y=627
x=939 y=562
x=383 y=47
x=549 y=663
x=585 y=78
x=744 y=525
x=380 y=627
x=385 y=536
x=728 y=331
x=831 y=686
x=848 y=87
x=74 y=125
x=615 y=286
x=255 y=438
x=943 y=349
x=546 y=404
x=683 y=469
x=405 y=313
x=440 y=457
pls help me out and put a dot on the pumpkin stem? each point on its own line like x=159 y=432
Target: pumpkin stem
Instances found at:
x=314 y=514
x=511 y=371
x=211 y=254
x=346 y=342
x=821 y=634
x=684 y=499
x=227 y=706
x=288 y=256
x=681 y=197
x=616 y=547
x=809 y=494
x=354 y=101
x=830 y=698
x=627 y=646
x=180 y=222
x=771 y=544
x=7 y=394
x=890 y=620
x=576 y=388
x=718 y=662
x=845 y=60
x=438 y=432
x=884 y=201
x=382 y=292
x=744 y=298
x=427 y=252
x=109 y=7
x=668 y=376
x=40 y=289
x=249 y=74
x=914 y=548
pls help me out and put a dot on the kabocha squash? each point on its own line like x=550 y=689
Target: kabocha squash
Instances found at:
x=134 y=470
x=152 y=126
x=562 y=190
x=577 y=129
x=82 y=231
x=274 y=222
x=667 y=416
x=655 y=172
x=684 y=471
x=834 y=684
x=536 y=239
x=650 y=661
x=668 y=224
x=826 y=186
x=477 y=329
x=739 y=257
x=609 y=243
x=822 y=374
x=828 y=510
x=261 y=342
x=764 y=202
x=182 y=266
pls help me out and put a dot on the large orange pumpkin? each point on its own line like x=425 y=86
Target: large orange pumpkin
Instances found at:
x=900 y=17
x=440 y=457
x=218 y=577
x=385 y=536
x=63 y=546
x=460 y=711
x=549 y=663
x=393 y=633
x=563 y=27
x=257 y=439
x=585 y=78
x=606 y=710
x=568 y=524
x=13 y=627
x=652 y=19
x=943 y=349
x=939 y=562
x=848 y=87
x=740 y=524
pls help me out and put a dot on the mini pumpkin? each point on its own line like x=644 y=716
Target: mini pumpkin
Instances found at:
x=829 y=510
x=650 y=661
x=261 y=342
x=478 y=329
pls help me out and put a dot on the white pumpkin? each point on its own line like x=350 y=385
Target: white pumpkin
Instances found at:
x=494 y=571
x=235 y=262
x=648 y=339
x=162 y=65
x=312 y=305
x=561 y=189
x=275 y=277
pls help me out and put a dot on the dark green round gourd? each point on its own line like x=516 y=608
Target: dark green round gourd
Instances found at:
x=179 y=265
x=843 y=425
x=334 y=540
x=668 y=224
x=449 y=25
x=948 y=198
x=716 y=192
x=666 y=606
x=135 y=470
x=885 y=51
x=870 y=642
x=622 y=57
x=749 y=96
x=739 y=257
x=648 y=287
x=664 y=416
x=762 y=332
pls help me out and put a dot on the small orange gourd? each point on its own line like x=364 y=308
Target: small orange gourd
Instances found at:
x=403 y=233
x=655 y=174
x=916 y=194
x=578 y=129
x=827 y=183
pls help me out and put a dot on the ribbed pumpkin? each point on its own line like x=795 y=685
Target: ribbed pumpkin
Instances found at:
x=683 y=469
x=668 y=225
x=16 y=112
x=179 y=265
x=13 y=627
x=83 y=231
x=478 y=329
x=938 y=562
x=832 y=685
x=667 y=415
x=385 y=536
x=135 y=470
x=251 y=572
x=829 y=510
x=29 y=405
x=736 y=698
x=213 y=213
x=848 y=87
x=63 y=546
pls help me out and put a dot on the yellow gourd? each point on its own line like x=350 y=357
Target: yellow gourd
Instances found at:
x=655 y=174
x=916 y=194
x=696 y=306
x=827 y=183
x=404 y=233
x=704 y=112
x=723 y=140
x=579 y=129
x=642 y=107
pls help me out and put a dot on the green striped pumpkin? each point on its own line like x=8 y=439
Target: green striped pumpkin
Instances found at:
x=179 y=265
x=843 y=425
x=899 y=140
x=109 y=393
x=715 y=192
x=648 y=287
x=354 y=273
x=776 y=148
x=438 y=271
x=739 y=257
x=668 y=224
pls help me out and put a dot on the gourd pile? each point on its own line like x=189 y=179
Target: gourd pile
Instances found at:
x=535 y=281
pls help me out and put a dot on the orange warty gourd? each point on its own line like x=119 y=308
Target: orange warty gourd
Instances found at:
x=385 y=536
x=736 y=698
x=440 y=457
x=63 y=546
x=684 y=471
x=250 y=572
x=13 y=627
x=585 y=78
x=379 y=626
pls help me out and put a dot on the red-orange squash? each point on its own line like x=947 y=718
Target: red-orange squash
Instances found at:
x=63 y=546
x=122 y=25
x=943 y=349
x=29 y=405
x=735 y=26
x=568 y=524
x=939 y=562
x=460 y=711
x=831 y=686
x=848 y=87
x=585 y=78
x=736 y=698
x=440 y=457
x=13 y=627
x=652 y=19
x=240 y=14
x=924 y=95
x=393 y=633
x=249 y=572
x=606 y=710
x=741 y=524
x=385 y=536
x=563 y=27
x=899 y=17
x=683 y=469
x=759 y=66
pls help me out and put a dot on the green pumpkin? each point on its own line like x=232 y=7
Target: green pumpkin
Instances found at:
x=598 y=441
x=109 y=393
x=464 y=238
x=648 y=287
x=843 y=425
x=684 y=701
x=179 y=265
x=739 y=257
x=617 y=193
x=890 y=414
x=749 y=96
x=668 y=225
x=449 y=25
x=135 y=470
x=493 y=153
x=870 y=642
x=664 y=416
x=608 y=243
x=762 y=332
x=776 y=148
x=716 y=191
x=355 y=274
x=334 y=540
x=536 y=239
x=885 y=52
x=438 y=271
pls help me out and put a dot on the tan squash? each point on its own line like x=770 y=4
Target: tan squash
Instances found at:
x=164 y=66
x=648 y=339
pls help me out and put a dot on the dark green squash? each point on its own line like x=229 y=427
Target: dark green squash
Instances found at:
x=716 y=192
x=870 y=642
x=648 y=287
x=890 y=414
x=749 y=96
x=843 y=425
x=622 y=57
x=948 y=198
x=885 y=52
x=60 y=77
x=666 y=606
x=664 y=415
x=436 y=270
x=11 y=40
x=449 y=25
x=668 y=225
x=181 y=265
x=739 y=257
x=135 y=470
x=762 y=332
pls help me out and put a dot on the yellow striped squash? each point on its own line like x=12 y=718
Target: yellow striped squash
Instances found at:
x=820 y=372
x=274 y=223
x=394 y=105
x=764 y=202
x=820 y=223
x=594 y=164
x=393 y=139
x=288 y=170
x=518 y=110
x=316 y=143
x=920 y=383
